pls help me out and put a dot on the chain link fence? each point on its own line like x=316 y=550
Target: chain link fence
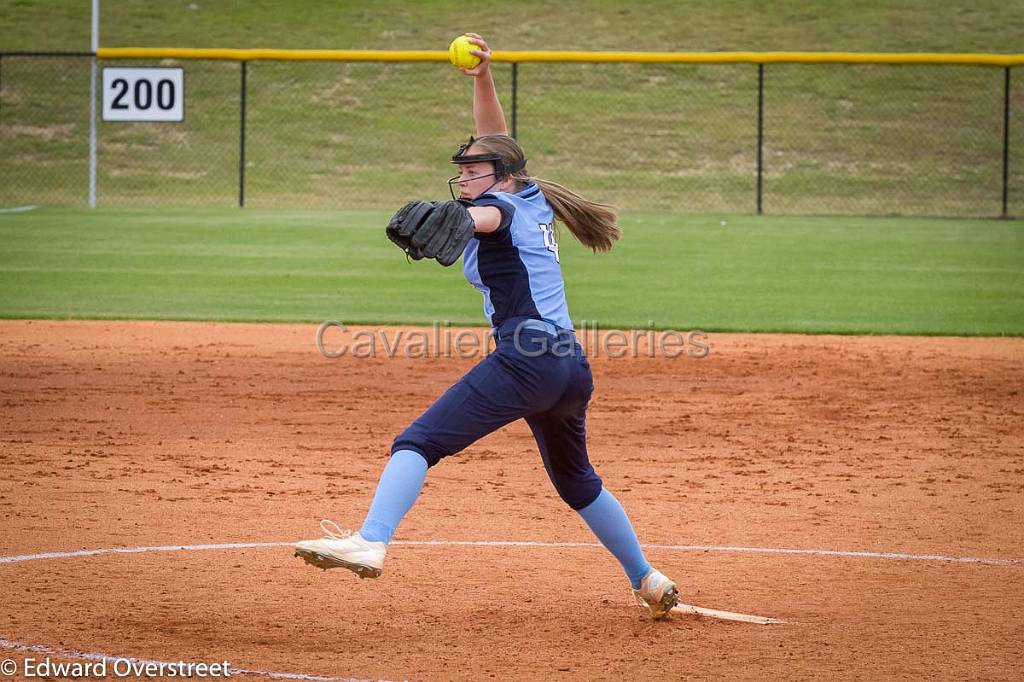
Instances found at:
x=44 y=130
x=882 y=139
x=866 y=139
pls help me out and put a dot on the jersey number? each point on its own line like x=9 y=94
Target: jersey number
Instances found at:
x=549 y=239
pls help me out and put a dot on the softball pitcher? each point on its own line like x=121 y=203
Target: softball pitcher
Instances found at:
x=501 y=221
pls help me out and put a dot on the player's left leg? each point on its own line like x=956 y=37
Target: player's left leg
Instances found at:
x=502 y=388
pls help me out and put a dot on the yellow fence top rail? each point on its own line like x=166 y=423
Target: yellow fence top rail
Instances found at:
x=551 y=56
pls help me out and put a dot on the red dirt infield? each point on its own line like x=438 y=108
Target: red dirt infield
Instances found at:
x=127 y=434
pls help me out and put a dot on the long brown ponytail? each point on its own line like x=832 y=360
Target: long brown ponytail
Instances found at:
x=594 y=225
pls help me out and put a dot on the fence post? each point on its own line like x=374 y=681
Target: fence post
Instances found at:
x=241 y=139
x=1006 y=143
x=760 y=139
x=515 y=99
x=93 y=141
x=93 y=134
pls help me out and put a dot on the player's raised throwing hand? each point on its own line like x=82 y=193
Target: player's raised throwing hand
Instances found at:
x=484 y=53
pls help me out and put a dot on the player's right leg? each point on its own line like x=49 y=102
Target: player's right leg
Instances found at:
x=561 y=437
x=562 y=442
x=657 y=593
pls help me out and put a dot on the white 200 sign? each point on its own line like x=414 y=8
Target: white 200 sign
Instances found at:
x=143 y=94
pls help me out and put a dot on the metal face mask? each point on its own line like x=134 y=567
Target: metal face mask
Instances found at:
x=500 y=170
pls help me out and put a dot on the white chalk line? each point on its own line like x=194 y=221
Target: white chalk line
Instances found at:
x=543 y=545
x=17 y=209
x=685 y=608
x=727 y=549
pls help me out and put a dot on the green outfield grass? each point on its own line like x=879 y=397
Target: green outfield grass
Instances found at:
x=802 y=274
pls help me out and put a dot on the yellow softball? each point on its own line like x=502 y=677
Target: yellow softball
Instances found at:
x=458 y=53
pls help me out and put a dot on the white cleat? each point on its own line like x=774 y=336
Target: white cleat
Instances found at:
x=343 y=549
x=657 y=593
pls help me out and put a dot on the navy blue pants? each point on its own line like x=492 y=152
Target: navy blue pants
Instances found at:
x=531 y=375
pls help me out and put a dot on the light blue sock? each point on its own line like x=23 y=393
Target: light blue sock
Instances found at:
x=399 y=486
x=610 y=524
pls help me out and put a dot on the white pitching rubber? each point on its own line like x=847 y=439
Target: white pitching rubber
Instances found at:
x=725 y=615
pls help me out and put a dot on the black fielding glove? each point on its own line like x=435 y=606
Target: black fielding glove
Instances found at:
x=405 y=223
x=439 y=230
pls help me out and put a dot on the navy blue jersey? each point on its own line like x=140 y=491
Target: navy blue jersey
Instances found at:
x=516 y=268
